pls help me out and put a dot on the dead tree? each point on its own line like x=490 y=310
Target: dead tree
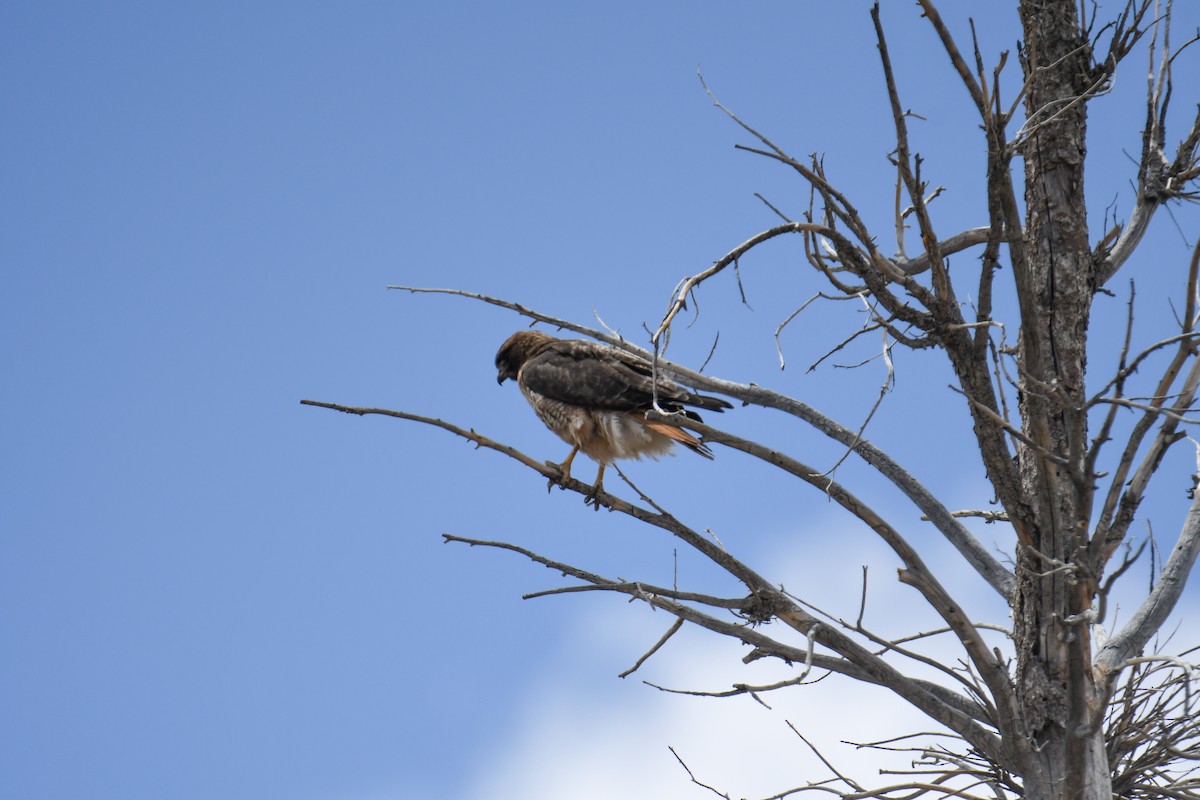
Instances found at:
x=1053 y=713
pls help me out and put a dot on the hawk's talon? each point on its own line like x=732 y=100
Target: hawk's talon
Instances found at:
x=592 y=497
x=564 y=475
x=564 y=470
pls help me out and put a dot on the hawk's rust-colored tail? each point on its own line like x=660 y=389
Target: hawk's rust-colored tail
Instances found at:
x=678 y=435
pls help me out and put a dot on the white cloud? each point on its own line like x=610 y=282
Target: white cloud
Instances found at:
x=585 y=737
x=588 y=741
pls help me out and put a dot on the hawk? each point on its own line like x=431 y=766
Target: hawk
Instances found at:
x=595 y=398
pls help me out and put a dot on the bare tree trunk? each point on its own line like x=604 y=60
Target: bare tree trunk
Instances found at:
x=1056 y=280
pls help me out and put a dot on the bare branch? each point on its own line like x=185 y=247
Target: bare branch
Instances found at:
x=956 y=58
x=689 y=284
x=1130 y=640
x=1159 y=179
x=674 y=629
x=786 y=322
x=1116 y=516
x=889 y=381
x=1150 y=408
x=478 y=439
x=910 y=174
x=692 y=776
x=945 y=247
x=1049 y=114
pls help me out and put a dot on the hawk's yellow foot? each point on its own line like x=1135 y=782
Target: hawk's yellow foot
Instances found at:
x=592 y=498
x=564 y=469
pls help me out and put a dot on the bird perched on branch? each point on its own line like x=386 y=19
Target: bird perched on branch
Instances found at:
x=596 y=397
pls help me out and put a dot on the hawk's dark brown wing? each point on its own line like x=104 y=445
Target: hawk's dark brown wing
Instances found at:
x=594 y=376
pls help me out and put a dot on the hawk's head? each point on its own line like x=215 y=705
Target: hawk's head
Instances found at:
x=519 y=348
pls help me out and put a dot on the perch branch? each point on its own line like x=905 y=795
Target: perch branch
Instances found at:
x=978 y=556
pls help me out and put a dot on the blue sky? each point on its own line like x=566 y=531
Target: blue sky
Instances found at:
x=207 y=590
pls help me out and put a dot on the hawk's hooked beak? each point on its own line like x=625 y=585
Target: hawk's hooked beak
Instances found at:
x=501 y=378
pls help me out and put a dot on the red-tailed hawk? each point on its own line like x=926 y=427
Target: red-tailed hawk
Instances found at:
x=596 y=398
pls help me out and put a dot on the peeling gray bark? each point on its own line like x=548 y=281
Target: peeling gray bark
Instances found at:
x=1055 y=282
